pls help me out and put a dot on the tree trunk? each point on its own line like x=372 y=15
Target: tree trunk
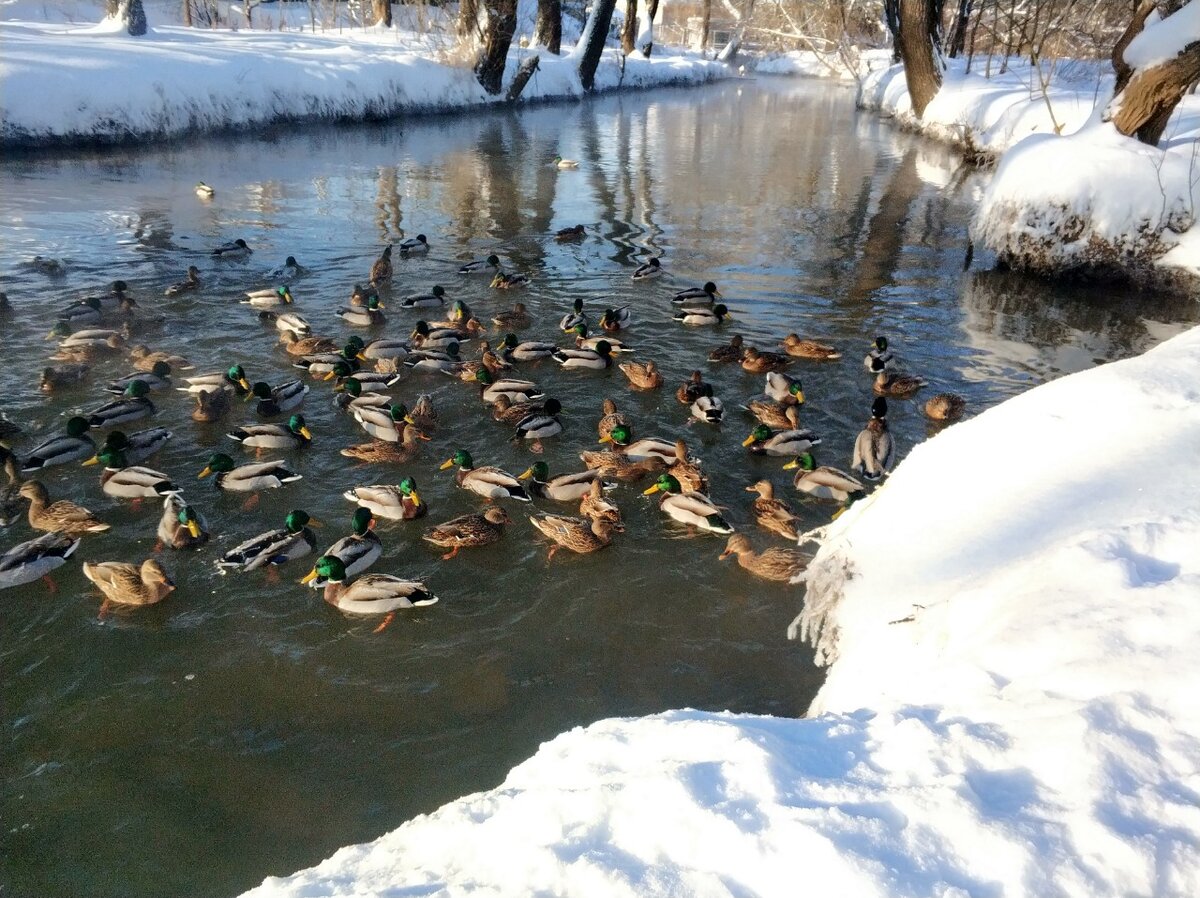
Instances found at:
x=187 y=13
x=502 y=22
x=383 y=12
x=651 y=12
x=1123 y=70
x=705 y=23
x=958 y=36
x=468 y=19
x=549 y=25
x=595 y=32
x=891 y=15
x=130 y=12
x=730 y=52
x=525 y=71
x=629 y=28
x=920 y=43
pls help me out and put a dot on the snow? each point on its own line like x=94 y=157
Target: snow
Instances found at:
x=808 y=64
x=1162 y=40
x=1010 y=708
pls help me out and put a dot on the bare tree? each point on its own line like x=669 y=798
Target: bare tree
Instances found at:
x=918 y=37
x=187 y=13
x=549 y=25
x=958 y=31
x=502 y=22
x=383 y=12
x=468 y=19
x=629 y=28
x=743 y=17
x=705 y=22
x=595 y=32
x=130 y=12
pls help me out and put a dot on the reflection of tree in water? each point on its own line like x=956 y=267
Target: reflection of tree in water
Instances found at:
x=885 y=232
x=388 y=214
x=499 y=143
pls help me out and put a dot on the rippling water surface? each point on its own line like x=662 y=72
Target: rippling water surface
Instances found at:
x=242 y=728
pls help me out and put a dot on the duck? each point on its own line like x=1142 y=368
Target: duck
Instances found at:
x=594 y=504
x=879 y=354
x=144 y=359
x=63 y=377
x=461 y=316
x=702 y=317
x=384 y=452
x=572 y=319
x=383 y=422
x=773 y=514
x=809 y=349
x=204 y=191
x=72 y=445
x=822 y=482
x=687 y=471
x=729 y=352
x=136 y=447
x=434 y=360
x=757 y=362
x=130 y=584
x=707 y=407
x=90 y=345
x=181 y=526
x=249 y=478
x=565 y=164
x=321 y=364
x=575 y=232
x=620 y=466
x=399 y=502
x=269 y=298
x=468 y=531
x=233 y=377
x=8 y=431
x=509 y=280
x=81 y=314
x=370 y=593
x=874 y=450
x=896 y=385
x=158 y=378
x=289 y=270
x=381 y=269
x=516 y=390
x=621 y=436
x=691 y=508
x=293 y=540
x=212 y=405
x=435 y=298
x=414 y=246
x=782 y=388
x=565 y=487
x=775 y=563
x=368 y=381
x=488 y=359
x=351 y=397
x=590 y=359
x=579 y=535
x=490 y=265
x=583 y=341
x=489 y=481
x=35 y=559
x=277 y=400
x=387 y=350
x=787 y=443
x=514 y=319
x=609 y=418
x=357 y=552
x=647 y=270
x=540 y=425
x=775 y=415
x=292 y=435
x=61 y=516
x=506 y=411
x=423 y=414
x=945 y=407
x=614 y=319
x=235 y=249
x=690 y=390
x=697 y=296
x=132 y=406
x=189 y=284
x=642 y=375
x=370 y=315
x=425 y=337
x=122 y=480
x=291 y=323
x=528 y=351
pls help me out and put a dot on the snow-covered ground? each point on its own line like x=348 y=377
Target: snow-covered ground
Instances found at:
x=853 y=65
x=1015 y=646
x=93 y=82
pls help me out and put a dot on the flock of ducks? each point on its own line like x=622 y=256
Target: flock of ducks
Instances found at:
x=363 y=374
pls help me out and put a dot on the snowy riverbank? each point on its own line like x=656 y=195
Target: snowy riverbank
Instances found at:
x=1010 y=708
x=65 y=84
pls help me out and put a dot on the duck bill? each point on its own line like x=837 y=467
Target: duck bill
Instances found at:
x=607 y=438
x=650 y=492
x=448 y=463
x=749 y=441
x=794 y=463
x=244 y=384
x=94 y=460
x=724 y=555
x=799 y=394
x=528 y=473
x=329 y=375
x=416 y=501
x=194 y=529
x=306 y=433
x=313 y=522
x=204 y=473
x=309 y=577
x=361 y=357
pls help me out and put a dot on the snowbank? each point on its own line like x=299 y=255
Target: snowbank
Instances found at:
x=1030 y=662
x=807 y=64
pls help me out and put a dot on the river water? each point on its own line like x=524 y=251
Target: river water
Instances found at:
x=242 y=728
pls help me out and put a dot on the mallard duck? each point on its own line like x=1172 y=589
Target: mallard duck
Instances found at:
x=614 y=319
x=880 y=357
x=190 y=283
x=371 y=593
x=212 y=405
x=609 y=418
x=490 y=265
x=730 y=352
x=269 y=298
x=132 y=406
x=356 y=552
x=787 y=443
x=642 y=375
x=396 y=503
x=294 y=539
x=874 y=450
x=233 y=378
x=122 y=480
x=621 y=437
x=249 y=478
x=573 y=233
x=770 y=564
x=823 y=482
x=945 y=407
x=144 y=359
x=562 y=163
x=783 y=388
x=423 y=414
x=381 y=269
x=61 y=449
x=691 y=389
x=591 y=359
x=289 y=323
x=234 y=250
x=879 y=407
x=351 y=397
x=321 y=364
x=579 y=535
x=181 y=526
x=702 y=317
x=620 y=466
x=292 y=435
x=691 y=508
x=573 y=318
x=648 y=270
x=382 y=422
x=35 y=559
x=368 y=381
x=61 y=516
x=414 y=246
x=436 y=298
x=707 y=407
x=489 y=481
x=297 y=345
x=687 y=471
x=387 y=350
x=509 y=280
x=491 y=389
x=756 y=362
x=540 y=425
x=204 y=191
x=156 y=379
x=565 y=487
x=89 y=345
x=468 y=531
x=277 y=400
x=431 y=361
x=809 y=349
x=47 y=266
x=80 y=314
x=506 y=411
x=773 y=514
x=461 y=316
x=775 y=415
x=289 y=270
x=697 y=296
x=425 y=337
x=515 y=319
x=136 y=447
x=595 y=505
x=382 y=452
x=488 y=360
x=370 y=315
x=898 y=386
x=63 y=377
x=583 y=341
x=528 y=351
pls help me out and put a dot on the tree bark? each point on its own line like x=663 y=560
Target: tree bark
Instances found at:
x=549 y=25
x=383 y=12
x=468 y=18
x=525 y=71
x=187 y=13
x=958 y=36
x=502 y=22
x=1123 y=70
x=920 y=44
x=595 y=32
x=629 y=28
x=891 y=15
x=705 y=23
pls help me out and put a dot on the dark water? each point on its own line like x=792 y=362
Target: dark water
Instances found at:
x=242 y=728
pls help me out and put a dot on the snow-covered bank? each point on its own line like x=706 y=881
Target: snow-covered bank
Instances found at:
x=62 y=84
x=853 y=66
x=1023 y=625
